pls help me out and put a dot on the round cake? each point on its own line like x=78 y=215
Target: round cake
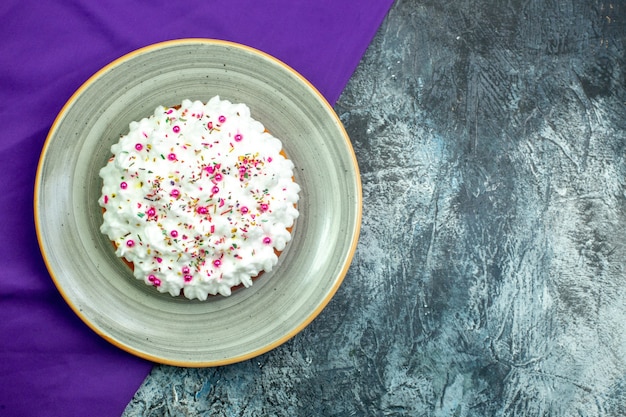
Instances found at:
x=199 y=198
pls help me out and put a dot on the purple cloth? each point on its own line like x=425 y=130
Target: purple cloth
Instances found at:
x=51 y=363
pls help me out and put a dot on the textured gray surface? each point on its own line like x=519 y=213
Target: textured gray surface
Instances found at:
x=490 y=277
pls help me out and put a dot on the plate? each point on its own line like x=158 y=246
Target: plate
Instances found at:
x=100 y=288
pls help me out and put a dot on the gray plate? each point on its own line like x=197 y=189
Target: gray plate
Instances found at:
x=101 y=289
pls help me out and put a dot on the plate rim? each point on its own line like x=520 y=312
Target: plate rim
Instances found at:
x=125 y=346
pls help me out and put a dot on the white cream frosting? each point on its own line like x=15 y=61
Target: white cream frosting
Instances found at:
x=199 y=198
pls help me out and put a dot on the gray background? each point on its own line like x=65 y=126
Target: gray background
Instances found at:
x=489 y=279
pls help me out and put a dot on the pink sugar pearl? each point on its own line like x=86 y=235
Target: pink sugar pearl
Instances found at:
x=267 y=240
x=154 y=280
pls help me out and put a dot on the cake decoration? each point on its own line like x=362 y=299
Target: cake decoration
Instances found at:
x=199 y=198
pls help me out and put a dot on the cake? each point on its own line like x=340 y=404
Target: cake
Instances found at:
x=199 y=198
